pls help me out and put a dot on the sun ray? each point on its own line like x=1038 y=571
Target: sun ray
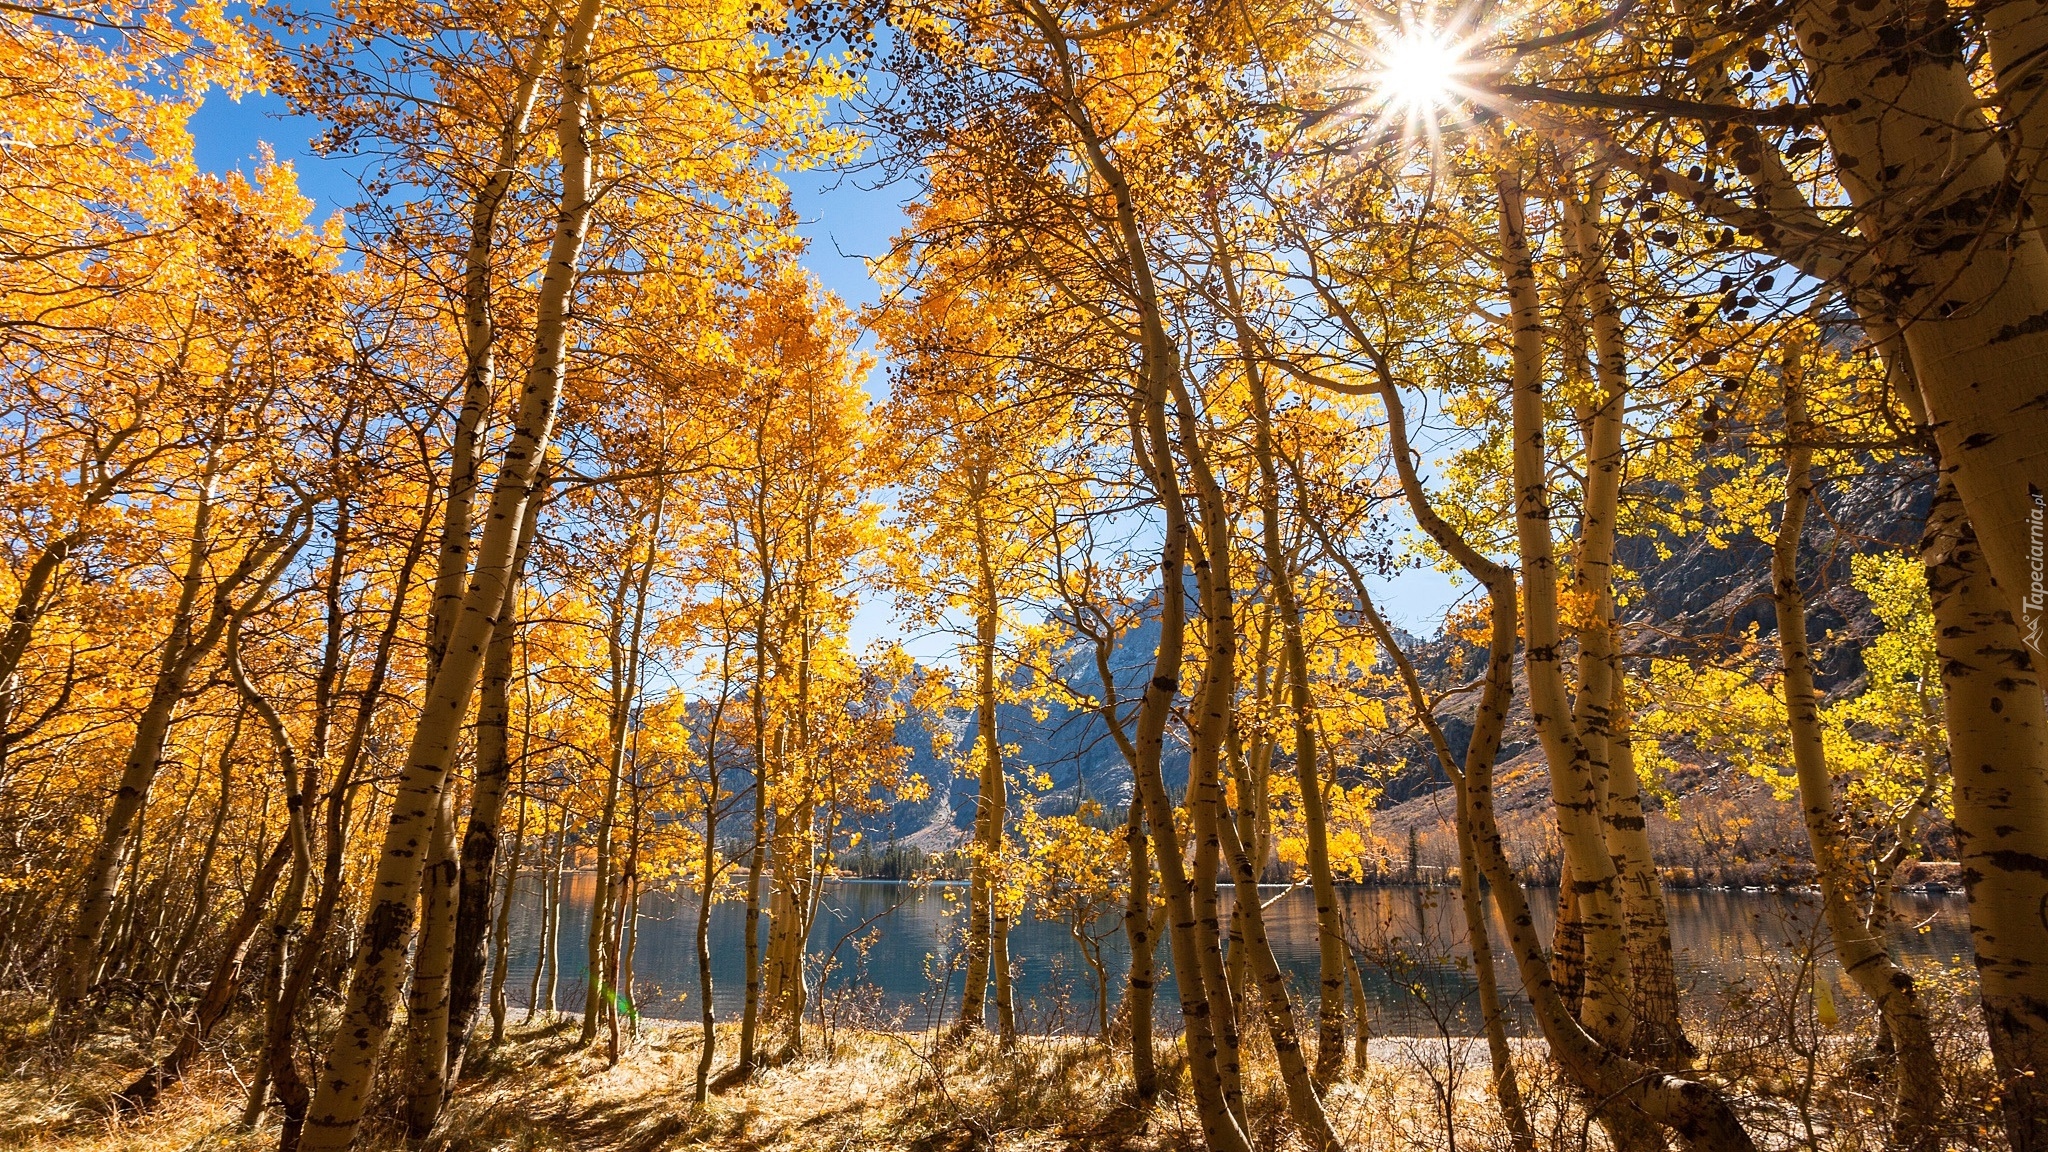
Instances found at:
x=1412 y=74
x=1418 y=70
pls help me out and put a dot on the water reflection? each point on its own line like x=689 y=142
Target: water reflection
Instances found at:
x=898 y=945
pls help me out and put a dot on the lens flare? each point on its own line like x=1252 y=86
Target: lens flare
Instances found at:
x=1418 y=71
x=1415 y=79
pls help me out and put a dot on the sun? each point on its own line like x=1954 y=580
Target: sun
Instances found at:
x=1417 y=70
x=1413 y=75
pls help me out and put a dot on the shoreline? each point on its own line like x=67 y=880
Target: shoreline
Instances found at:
x=1936 y=888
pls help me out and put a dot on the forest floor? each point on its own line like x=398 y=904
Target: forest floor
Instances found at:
x=857 y=1090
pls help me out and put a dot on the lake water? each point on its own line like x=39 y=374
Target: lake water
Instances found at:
x=890 y=952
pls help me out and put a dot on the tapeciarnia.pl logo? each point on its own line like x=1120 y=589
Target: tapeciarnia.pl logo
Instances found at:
x=2037 y=564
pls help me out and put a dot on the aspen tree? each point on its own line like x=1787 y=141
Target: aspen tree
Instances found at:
x=479 y=338
x=501 y=941
x=258 y=324
x=1946 y=254
x=287 y=1084
x=624 y=636
x=1152 y=446
x=1995 y=723
x=102 y=476
x=1575 y=790
x=547 y=970
x=1249 y=766
x=1057 y=69
x=765 y=552
x=1210 y=707
x=1925 y=195
x=101 y=302
x=1214 y=574
x=1332 y=952
x=1220 y=1127
x=1949 y=264
x=1078 y=583
x=203 y=873
x=1471 y=897
x=226 y=982
x=300 y=782
x=970 y=442
x=426 y=1040
x=1599 y=710
x=1478 y=836
x=2017 y=35
x=193 y=637
x=1694 y=1110
x=1865 y=958
x=1996 y=726
x=708 y=875
x=227 y=978
x=373 y=982
x=479 y=846
x=990 y=800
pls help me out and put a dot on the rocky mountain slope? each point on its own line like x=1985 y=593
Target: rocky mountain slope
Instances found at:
x=1683 y=596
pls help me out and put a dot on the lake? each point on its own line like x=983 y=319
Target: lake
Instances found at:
x=890 y=952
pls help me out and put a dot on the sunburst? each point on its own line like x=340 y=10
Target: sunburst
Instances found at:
x=1418 y=71
x=1414 y=74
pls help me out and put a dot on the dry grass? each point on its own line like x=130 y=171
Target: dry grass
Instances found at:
x=913 y=1092
x=871 y=1090
x=910 y=1091
x=56 y=1095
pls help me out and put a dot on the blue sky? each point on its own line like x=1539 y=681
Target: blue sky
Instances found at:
x=846 y=218
x=227 y=134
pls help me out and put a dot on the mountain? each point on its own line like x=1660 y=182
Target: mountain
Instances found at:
x=1682 y=596
x=1073 y=748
